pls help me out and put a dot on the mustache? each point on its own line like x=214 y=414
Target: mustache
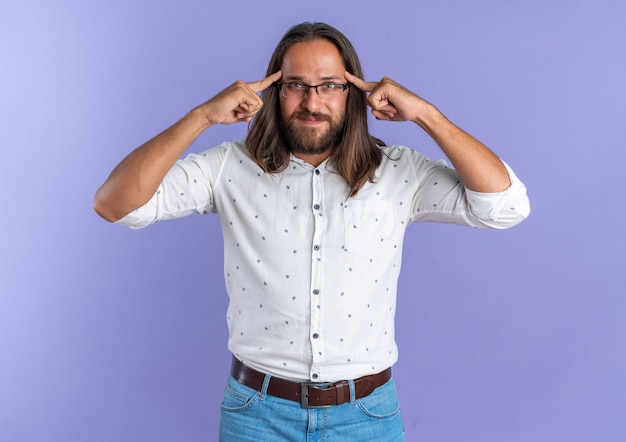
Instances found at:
x=306 y=114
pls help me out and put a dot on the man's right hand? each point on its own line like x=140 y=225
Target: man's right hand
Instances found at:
x=238 y=102
x=133 y=182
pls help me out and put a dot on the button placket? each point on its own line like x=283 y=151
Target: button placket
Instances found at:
x=317 y=340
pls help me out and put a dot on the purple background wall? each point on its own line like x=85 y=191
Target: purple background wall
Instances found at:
x=112 y=335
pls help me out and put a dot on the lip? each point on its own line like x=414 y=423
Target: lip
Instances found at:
x=311 y=121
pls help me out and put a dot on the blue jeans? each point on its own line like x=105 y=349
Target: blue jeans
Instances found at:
x=249 y=415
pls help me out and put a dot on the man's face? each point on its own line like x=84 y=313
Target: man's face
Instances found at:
x=313 y=124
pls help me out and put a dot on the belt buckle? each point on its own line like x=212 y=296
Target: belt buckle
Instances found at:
x=304 y=393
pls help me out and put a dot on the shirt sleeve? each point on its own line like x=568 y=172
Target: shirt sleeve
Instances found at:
x=441 y=197
x=502 y=209
x=186 y=189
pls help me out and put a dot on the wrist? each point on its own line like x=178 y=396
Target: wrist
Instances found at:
x=428 y=117
x=199 y=119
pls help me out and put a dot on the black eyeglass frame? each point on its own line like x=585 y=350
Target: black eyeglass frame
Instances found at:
x=307 y=87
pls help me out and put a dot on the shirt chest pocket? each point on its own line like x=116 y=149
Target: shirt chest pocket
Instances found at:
x=368 y=226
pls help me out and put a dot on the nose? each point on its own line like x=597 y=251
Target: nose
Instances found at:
x=311 y=100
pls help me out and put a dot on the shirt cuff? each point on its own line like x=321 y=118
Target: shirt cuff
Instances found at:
x=501 y=209
x=140 y=217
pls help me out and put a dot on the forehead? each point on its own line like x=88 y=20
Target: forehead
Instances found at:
x=315 y=59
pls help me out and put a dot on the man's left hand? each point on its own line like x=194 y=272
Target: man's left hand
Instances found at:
x=391 y=101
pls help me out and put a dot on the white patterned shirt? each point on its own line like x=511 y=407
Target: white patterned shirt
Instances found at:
x=311 y=275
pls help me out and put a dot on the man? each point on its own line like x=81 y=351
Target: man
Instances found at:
x=313 y=211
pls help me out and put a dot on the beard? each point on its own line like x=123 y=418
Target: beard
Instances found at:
x=309 y=140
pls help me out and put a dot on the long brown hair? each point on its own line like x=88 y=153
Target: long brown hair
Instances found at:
x=357 y=156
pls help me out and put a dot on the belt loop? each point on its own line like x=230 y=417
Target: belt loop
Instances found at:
x=266 y=383
x=352 y=391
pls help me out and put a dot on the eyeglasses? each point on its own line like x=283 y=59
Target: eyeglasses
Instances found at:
x=296 y=89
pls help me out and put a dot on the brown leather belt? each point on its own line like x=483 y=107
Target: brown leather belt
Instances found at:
x=309 y=394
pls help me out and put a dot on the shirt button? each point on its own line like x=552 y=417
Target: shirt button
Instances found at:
x=316 y=247
x=315 y=336
x=316 y=292
x=315 y=376
x=316 y=207
x=317 y=171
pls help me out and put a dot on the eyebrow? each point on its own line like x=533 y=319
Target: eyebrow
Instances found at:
x=324 y=78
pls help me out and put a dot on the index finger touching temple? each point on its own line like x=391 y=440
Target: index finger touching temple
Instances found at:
x=365 y=86
x=261 y=85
